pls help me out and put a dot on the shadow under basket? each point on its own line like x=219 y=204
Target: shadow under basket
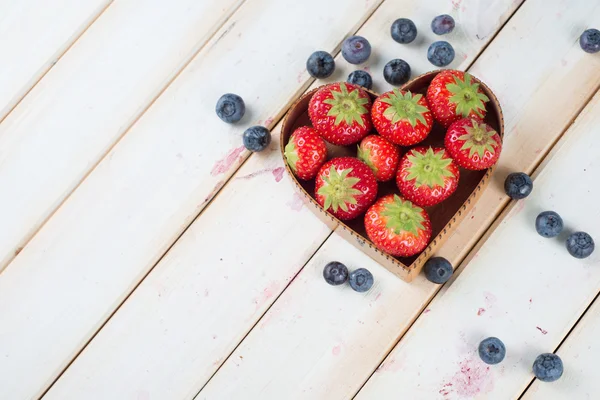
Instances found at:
x=445 y=216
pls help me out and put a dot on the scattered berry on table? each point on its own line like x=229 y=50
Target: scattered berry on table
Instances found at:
x=492 y=350
x=305 y=152
x=403 y=30
x=442 y=24
x=335 y=273
x=518 y=185
x=590 y=41
x=438 y=270
x=230 y=108
x=427 y=175
x=453 y=95
x=380 y=155
x=548 y=224
x=320 y=64
x=361 y=280
x=340 y=112
x=398 y=227
x=356 y=49
x=257 y=138
x=473 y=144
x=402 y=117
x=345 y=187
x=361 y=78
x=580 y=245
x=548 y=367
x=396 y=72
x=440 y=53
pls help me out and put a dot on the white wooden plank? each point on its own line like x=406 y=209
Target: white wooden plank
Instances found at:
x=397 y=303
x=519 y=286
x=112 y=230
x=159 y=316
x=73 y=116
x=579 y=353
x=33 y=35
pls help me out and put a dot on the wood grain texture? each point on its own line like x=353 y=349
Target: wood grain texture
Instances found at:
x=73 y=116
x=520 y=287
x=86 y=259
x=579 y=353
x=34 y=34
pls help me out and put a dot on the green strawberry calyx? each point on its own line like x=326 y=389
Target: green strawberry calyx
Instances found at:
x=429 y=168
x=403 y=216
x=466 y=96
x=347 y=106
x=478 y=139
x=338 y=189
x=365 y=156
x=404 y=107
x=291 y=155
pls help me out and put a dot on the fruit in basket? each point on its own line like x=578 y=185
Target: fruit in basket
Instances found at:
x=230 y=108
x=256 y=138
x=361 y=78
x=402 y=117
x=440 y=53
x=427 y=175
x=438 y=270
x=305 y=152
x=548 y=224
x=345 y=187
x=380 y=155
x=340 y=112
x=492 y=350
x=442 y=24
x=335 y=273
x=396 y=72
x=361 y=280
x=548 y=367
x=398 y=227
x=320 y=64
x=403 y=30
x=453 y=95
x=590 y=41
x=473 y=144
x=356 y=49
x=518 y=185
x=580 y=245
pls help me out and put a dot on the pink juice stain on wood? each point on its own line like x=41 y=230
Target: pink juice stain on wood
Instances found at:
x=269 y=121
x=224 y=164
x=271 y=290
x=391 y=365
x=278 y=173
x=336 y=350
x=481 y=311
x=473 y=378
x=541 y=330
x=296 y=203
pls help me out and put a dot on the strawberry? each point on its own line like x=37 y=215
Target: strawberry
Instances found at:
x=345 y=187
x=402 y=117
x=380 y=155
x=340 y=113
x=473 y=144
x=453 y=95
x=305 y=153
x=397 y=226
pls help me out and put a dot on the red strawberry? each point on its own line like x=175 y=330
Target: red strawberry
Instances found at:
x=427 y=175
x=305 y=153
x=340 y=113
x=397 y=226
x=473 y=144
x=380 y=155
x=453 y=95
x=345 y=187
x=402 y=117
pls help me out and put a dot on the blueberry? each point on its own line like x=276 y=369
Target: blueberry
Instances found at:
x=590 y=41
x=549 y=224
x=230 y=108
x=361 y=280
x=335 y=273
x=492 y=350
x=356 y=49
x=580 y=245
x=548 y=367
x=320 y=64
x=442 y=24
x=518 y=185
x=438 y=270
x=361 y=78
x=440 y=53
x=396 y=72
x=257 y=138
x=404 y=30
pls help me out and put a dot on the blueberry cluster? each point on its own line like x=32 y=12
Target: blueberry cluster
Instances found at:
x=336 y=273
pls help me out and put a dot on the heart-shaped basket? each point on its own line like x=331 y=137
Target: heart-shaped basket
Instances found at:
x=445 y=216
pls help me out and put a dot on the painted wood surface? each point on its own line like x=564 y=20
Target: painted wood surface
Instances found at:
x=34 y=34
x=579 y=353
x=74 y=115
x=85 y=260
x=405 y=301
